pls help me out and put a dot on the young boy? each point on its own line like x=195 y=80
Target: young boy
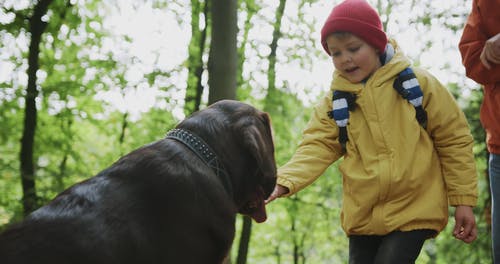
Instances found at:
x=399 y=175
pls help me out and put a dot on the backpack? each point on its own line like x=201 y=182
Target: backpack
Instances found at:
x=406 y=84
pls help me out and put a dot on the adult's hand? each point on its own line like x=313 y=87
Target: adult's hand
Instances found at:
x=491 y=51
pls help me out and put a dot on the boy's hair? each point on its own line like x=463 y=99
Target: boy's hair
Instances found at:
x=356 y=17
x=341 y=34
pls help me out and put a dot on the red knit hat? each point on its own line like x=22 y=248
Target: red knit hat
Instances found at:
x=358 y=18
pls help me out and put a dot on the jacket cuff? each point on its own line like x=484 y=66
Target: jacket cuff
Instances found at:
x=463 y=200
x=288 y=184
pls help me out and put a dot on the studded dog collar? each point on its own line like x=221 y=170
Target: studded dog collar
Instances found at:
x=204 y=152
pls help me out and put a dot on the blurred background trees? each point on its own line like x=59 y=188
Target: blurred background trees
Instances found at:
x=84 y=82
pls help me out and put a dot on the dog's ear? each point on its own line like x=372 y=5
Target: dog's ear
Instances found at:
x=257 y=138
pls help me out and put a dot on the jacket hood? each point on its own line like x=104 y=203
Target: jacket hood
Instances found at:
x=390 y=70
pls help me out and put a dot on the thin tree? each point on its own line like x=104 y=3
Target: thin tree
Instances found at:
x=246 y=230
x=194 y=89
x=271 y=74
x=251 y=9
x=36 y=27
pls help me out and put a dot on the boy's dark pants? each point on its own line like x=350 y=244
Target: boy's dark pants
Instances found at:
x=394 y=248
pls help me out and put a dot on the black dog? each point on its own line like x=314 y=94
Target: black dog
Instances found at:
x=172 y=201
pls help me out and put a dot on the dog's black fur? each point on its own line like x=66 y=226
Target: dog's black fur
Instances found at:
x=158 y=204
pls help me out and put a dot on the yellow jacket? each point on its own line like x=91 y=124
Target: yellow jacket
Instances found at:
x=396 y=175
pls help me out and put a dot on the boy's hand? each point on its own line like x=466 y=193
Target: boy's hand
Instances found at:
x=491 y=51
x=465 y=224
x=279 y=190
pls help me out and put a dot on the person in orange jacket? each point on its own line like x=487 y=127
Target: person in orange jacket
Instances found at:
x=480 y=50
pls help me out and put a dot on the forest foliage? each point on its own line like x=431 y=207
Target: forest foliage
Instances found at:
x=85 y=96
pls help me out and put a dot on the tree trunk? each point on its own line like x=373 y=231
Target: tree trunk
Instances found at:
x=194 y=89
x=66 y=148
x=387 y=11
x=222 y=61
x=123 y=132
x=246 y=232
x=37 y=27
x=271 y=73
x=247 y=222
x=223 y=58
x=246 y=229
x=251 y=9
x=296 y=246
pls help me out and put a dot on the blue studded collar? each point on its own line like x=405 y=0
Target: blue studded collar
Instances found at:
x=204 y=152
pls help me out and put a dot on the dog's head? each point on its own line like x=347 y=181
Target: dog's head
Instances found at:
x=241 y=136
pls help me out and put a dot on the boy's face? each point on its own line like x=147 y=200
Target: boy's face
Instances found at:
x=354 y=58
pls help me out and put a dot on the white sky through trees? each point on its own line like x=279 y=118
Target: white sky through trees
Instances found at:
x=158 y=40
